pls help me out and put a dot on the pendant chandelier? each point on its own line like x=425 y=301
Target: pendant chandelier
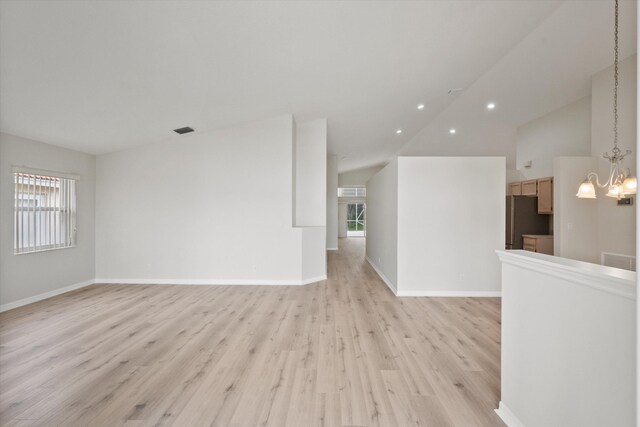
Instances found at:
x=620 y=183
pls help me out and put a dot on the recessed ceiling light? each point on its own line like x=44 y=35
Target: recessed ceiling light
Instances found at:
x=420 y=107
x=491 y=106
x=452 y=131
x=399 y=131
x=183 y=130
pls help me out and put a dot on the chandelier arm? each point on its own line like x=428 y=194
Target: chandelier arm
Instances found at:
x=594 y=176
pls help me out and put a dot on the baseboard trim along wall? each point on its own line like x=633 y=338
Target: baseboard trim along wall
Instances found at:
x=313 y=280
x=205 y=282
x=56 y=292
x=507 y=416
x=40 y=297
x=382 y=276
x=332 y=249
x=456 y=294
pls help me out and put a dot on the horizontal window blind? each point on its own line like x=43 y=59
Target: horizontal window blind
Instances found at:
x=45 y=213
x=352 y=192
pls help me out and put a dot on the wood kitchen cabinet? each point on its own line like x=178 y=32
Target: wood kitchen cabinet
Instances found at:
x=530 y=188
x=542 y=244
x=545 y=196
x=514 y=189
x=541 y=188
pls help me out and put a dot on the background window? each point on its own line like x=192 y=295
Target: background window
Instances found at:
x=352 y=192
x=45 y=213
x=356 y=219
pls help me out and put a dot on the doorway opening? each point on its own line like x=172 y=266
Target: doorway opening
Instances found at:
x=356 y=220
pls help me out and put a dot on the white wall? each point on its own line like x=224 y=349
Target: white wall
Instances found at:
x=434 y=232
x=211 y=207
x=568 y=343
x=637 y=233
x=382 y=223
x=621 y=238
x=342 y=219
x=29 y=275
x=575 y=221
x=332 y=201
x=358 y=177
x=514 y=175
x=563 y=132
x=450 y=222
x=313 y=255
x=311 y=173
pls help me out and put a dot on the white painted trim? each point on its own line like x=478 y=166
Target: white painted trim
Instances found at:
x=208 y=282
x=607 y=279
x=382 y=276
x=332 y=249
x=507 y=416
x=40 y=297
x=457 y=294
x=313 y=279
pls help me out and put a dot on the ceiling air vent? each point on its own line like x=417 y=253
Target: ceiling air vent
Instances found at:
x=186 y=129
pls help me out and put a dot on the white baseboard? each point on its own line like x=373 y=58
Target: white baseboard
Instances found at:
x=55 y=292
x=507 y=416
x=382 y=276
x=456 y=294
x=314 y=280
x=205 y=282
x=40 y=297
x=332 y=249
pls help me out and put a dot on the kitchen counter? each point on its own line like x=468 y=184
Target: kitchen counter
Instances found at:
x=541 y=243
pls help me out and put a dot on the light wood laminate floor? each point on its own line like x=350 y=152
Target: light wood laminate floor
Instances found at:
x=345 y=352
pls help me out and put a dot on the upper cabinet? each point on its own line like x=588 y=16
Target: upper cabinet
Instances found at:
x=530 y=188
x=515 y=189
x=545 y=196
x=541 y=188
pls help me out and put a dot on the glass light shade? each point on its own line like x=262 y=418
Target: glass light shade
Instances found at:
x=586 y=190
x=630 y=186
x=615 y=190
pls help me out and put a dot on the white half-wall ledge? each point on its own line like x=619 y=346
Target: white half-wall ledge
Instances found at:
x=607 y=279
x=568 y=351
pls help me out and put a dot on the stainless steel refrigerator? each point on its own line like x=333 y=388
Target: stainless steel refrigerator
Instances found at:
x=523 y=218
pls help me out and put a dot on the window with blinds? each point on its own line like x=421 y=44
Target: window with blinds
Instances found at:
x=45 y=213
x=352 y=192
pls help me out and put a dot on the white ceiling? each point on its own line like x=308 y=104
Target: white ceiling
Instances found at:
x=548 y=69
x=100 y=76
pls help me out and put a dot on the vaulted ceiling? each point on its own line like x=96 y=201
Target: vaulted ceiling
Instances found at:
x=100 y=76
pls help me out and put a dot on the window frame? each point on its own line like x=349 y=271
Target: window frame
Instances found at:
x=352 y=192
x=65 y=182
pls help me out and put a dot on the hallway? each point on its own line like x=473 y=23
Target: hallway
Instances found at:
x=343 y=352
